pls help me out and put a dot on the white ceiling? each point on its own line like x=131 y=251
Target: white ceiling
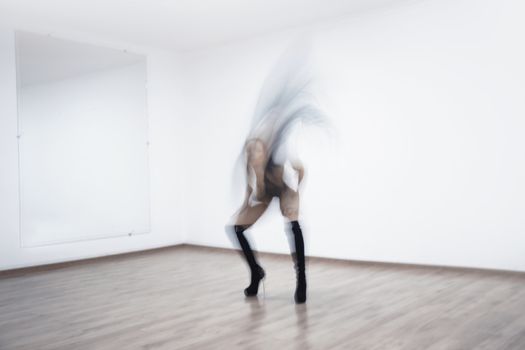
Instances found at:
x=177 y=24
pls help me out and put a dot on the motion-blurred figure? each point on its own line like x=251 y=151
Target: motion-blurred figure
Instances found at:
x=271 y=170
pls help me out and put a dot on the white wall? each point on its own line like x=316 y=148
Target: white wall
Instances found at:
x=166 y=128
x=429 y=162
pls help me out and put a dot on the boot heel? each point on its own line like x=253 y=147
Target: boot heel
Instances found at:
x=253 y=288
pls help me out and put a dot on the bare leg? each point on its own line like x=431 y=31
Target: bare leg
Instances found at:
x=289 y=204
x=249 y=215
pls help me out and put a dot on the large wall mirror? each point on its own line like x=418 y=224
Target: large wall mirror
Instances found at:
x=83 y=141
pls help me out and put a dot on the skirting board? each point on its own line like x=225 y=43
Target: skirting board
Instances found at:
x=121 y=256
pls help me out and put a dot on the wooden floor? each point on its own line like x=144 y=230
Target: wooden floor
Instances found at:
x=191 y=298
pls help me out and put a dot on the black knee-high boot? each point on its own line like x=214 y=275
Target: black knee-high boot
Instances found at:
x=299 y=260
x=257 y=272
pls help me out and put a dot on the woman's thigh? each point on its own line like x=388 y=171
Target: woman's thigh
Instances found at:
x=289 y=204
x=248 y=215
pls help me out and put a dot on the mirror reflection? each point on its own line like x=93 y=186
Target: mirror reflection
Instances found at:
x=82 y=141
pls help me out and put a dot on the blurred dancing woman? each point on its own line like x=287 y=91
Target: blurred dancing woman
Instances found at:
x=270 y=168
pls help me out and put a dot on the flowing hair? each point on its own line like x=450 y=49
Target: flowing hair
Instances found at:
x=285 y=100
